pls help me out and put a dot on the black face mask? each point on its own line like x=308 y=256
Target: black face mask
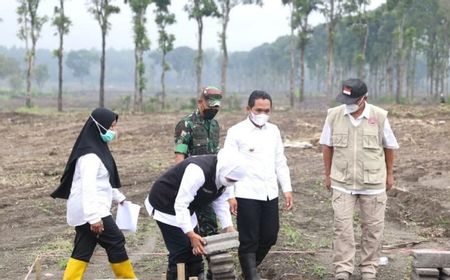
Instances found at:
x=209 y=114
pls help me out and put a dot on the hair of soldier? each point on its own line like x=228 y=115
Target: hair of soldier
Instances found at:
x=258 y=94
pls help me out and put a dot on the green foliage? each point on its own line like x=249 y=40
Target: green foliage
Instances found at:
x=197 y=9
x=60 y=20
x=102 y=10
x=292 y=235
x=124 y=104
x=152 y=105
x=80 y=62
x=30 y=23
x=319 y=270
x=8 y=66
x=41 y=75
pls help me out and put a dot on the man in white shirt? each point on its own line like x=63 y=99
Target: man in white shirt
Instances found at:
x=255 y=198
x=179 y=192
x=358 y=153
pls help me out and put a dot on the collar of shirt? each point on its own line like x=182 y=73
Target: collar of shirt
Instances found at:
x=365 y=113
x=197 y=116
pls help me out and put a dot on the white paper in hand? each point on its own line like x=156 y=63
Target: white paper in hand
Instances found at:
x=127 y=216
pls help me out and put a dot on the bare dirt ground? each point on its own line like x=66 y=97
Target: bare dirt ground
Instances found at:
x=35 y=147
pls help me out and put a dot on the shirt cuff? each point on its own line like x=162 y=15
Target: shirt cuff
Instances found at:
x=181 y=148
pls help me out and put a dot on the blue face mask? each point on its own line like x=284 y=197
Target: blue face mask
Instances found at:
x=108 y=136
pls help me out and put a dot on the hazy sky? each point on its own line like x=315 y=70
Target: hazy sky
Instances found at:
x=249 y=26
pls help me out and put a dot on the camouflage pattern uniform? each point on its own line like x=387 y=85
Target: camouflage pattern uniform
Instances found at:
x=197 y=136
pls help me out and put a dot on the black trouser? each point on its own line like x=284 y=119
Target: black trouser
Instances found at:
x=258 y=225
x=180 y=250
x=111 y=239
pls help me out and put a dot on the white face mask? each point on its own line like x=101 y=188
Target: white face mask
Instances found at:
x=259 y=119
x=351 y=108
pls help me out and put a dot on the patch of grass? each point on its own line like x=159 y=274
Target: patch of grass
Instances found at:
x=58 y=245
x=443 y=222
x=318 y=270
x=47 y=208
x=292 y=235
x=36 y=110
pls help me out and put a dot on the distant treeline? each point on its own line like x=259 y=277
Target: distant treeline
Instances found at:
x=401 y=51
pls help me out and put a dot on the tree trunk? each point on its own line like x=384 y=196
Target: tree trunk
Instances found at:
x=329 y=83
x=330 y=46
x=223 y=36
x=163 y=85
x=362 y=64
x=389 y=78
x=136 y=77
x=302 y=72
x=413 y=72
x=141 y=80
x=30 y=63
x=400 y=62
x=198 y=69
x=60 y=56
x=102 y=70
x=292 y=69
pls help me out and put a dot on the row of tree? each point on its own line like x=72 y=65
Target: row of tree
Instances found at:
x=31 y=24
x=400 y=47
x=381 y=45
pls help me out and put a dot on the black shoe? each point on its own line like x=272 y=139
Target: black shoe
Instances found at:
x=248 y=266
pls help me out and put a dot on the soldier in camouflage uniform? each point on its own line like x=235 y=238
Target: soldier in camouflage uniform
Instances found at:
x=198 y=134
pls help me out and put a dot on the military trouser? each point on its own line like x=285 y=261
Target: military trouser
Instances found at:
x=207 y=221
x=207 y=225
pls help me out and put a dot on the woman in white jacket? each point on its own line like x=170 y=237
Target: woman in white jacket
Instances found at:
x=90 y=183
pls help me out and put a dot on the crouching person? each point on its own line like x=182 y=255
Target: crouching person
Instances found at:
x=179 y=192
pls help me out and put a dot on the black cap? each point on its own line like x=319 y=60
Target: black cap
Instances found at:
x=352 y=90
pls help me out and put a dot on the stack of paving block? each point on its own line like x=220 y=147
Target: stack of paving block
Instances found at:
x=220 y=260
x=431 y=265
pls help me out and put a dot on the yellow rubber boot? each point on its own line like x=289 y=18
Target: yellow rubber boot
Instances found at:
x=123 y=270
x=75 y=269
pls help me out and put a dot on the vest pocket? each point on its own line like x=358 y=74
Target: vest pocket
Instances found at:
x=373 y=173
x=370 y=139
x=339 y=171
x=199 y=140
x=339 y=139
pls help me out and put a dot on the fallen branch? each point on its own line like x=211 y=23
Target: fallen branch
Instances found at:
x=31 y=268
x=401 y=245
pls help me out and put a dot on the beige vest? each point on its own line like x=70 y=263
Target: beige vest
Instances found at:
x=358 y=155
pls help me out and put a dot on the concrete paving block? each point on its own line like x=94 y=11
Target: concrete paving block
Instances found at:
x=431 y=258
x=221 y=258
x=211 y=248
x=414 y=276
x=222 y=236
x=222 y=268
x=426 y=271
x=446 y=271
x=224 y=276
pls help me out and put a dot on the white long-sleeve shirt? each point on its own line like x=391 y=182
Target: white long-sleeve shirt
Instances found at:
x=91 y=194
x=266 y=163
x=193 y=179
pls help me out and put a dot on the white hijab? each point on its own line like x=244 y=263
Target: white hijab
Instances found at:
x=231 y=165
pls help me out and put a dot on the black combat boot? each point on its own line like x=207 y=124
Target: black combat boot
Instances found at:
x=171 y=273
x=248 y=266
